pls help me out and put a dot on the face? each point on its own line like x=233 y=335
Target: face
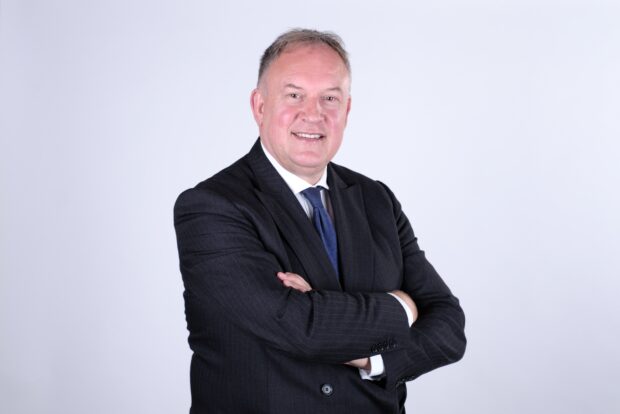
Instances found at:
x=301 y=107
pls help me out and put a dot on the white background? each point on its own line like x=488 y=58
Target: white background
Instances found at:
x=496 y=123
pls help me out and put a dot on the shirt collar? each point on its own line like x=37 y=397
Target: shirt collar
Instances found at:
x=295 y=183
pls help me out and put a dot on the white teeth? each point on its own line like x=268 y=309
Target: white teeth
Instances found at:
x=308 y=136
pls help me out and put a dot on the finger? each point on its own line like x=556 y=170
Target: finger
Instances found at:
x=291 y=283
x=359 y=363
x=299 y=282
x=296 y=285
x=293 y=275
x=306 y=287
x=288 y=275
x=288 y=283
x=293 y=278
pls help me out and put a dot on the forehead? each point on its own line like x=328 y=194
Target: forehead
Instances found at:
x=314 y=63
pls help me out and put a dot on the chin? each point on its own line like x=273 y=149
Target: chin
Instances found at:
x=307 y=165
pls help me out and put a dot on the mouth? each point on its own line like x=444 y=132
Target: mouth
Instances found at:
x=312 y=136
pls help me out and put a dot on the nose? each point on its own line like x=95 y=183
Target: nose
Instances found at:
x=312 y=110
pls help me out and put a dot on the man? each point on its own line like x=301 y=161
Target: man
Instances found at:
x=303 y=278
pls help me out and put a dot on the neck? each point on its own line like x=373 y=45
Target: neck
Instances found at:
x=311 y=177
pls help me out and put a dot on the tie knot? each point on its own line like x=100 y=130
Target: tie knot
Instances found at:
x=313 y=194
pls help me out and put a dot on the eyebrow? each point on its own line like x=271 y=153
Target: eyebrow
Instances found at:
x=293 y=86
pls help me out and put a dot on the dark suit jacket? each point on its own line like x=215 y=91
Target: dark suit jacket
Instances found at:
x=260 y=347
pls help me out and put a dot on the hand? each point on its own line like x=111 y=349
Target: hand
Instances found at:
x=407 y=299
x=293 y=280
x=362 y=363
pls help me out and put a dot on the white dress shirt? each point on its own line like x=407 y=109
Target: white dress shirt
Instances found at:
x=297 y=185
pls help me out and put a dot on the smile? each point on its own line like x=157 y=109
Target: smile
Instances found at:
x=307 y=135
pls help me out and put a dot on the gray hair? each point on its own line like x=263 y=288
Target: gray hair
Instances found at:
x=296 y=36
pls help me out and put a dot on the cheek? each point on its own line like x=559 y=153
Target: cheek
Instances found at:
x=285 y=117
x=337 y=119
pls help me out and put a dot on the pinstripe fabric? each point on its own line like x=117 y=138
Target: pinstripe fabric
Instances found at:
x=262 y=348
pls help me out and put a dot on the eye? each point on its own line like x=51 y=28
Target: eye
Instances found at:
x=294 y=95
x=330 y=98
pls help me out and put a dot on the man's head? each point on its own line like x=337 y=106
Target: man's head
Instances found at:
x=302 y=100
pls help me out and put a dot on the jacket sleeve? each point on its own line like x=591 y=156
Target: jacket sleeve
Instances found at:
x=437 y=338
x=227 y=270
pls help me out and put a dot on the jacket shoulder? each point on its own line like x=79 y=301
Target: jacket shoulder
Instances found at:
x=371 y=187
x=233 y=182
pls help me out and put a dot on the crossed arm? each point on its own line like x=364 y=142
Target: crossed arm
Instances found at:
x=438 y=337
x=215 y=236
x=229 y=267
x=298 y=283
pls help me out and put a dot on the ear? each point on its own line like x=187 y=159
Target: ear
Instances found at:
x=257 y=102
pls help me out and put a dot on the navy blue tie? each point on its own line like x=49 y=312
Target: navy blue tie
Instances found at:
x=323 y=224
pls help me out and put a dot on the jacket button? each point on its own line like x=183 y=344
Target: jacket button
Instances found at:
x=327 y=390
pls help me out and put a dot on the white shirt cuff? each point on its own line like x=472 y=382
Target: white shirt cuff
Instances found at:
x=376 y=369
x=406 y=308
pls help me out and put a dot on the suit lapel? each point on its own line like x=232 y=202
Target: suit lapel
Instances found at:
x=295 y=227
x=354 y=238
